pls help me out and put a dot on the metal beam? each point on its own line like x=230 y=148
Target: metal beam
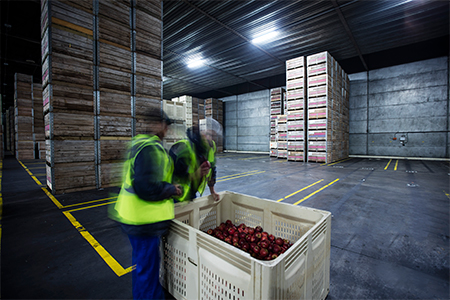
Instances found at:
x=349 y=32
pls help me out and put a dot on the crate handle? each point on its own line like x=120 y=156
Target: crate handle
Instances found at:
x=192 y=261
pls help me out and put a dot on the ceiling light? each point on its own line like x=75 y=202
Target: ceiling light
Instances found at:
x=5 y=64
x=195 y=63
x=265 y=37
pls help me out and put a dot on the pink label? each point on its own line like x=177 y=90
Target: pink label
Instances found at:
x=46 y=101
x=318 y=81
x=47 y=127
x=49 y=179
x=318 y=125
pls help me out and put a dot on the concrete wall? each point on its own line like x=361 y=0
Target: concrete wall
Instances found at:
x=247 y=122
x=410 y=99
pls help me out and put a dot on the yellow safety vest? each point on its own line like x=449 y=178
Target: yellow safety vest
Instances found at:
x=129 y=208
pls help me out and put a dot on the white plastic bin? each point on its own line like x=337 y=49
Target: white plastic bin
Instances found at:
x=199 y=266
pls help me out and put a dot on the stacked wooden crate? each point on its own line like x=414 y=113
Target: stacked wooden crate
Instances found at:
x=296 y=107
x=214 y=109
x=276 y=109
x=10 y=137
x=282 y=136
x=38 y=122
x=68 y=94
x=273 y=136
x=101 y=71
x=327 y=141
x=23 y=116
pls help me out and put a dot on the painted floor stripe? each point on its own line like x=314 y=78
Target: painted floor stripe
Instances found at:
x=237 y=174
x=387 y=166
x=93 y=201
x=92 y=206
x=446 y=194
x=110 y=261
x=55 y=201
x=312 y=194
x=339 y=161
x=396 y=164
x=240 y=176
x=248 y=158
x=279 y=200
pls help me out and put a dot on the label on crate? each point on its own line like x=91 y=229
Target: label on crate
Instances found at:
x=296 y=135
x=295 y=115
x=273 y=145
x=276 y=91
x=282 y=145
x=317 y=80
x=317 y=134
x=317 y=113
x=295 y=62
x=275 y=97
x=282 y=136
x=295 y=155
x=282 y=118
x=295 y=104
x=317 y=146
x=318 y=58
x=44 y=45
x=294 y=94
x=44 y=17
x=318 y=101
x=300 y=72
x=295 y=84
x=318 y=90
x=295 y=146
x=317 y=124
x=317 y=69
x=295 y=125
x=276 y=111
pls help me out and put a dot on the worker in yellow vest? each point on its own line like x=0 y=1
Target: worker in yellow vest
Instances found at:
x=145 y=203
x=195 y=163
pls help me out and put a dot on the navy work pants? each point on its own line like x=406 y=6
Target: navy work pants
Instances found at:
x=145 y=277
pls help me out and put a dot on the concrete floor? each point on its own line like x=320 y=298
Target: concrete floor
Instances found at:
x=389 y=238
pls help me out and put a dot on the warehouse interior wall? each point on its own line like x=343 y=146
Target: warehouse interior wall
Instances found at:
x=409 y=100
x=247 y=122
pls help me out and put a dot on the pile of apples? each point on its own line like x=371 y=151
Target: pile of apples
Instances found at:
x=255 y=241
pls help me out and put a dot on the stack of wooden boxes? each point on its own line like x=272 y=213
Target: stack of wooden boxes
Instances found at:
x=296 y=107
x=276 y=109
x=214 y=109
x=273 y=136
x=101 y=70
x=10 y=137
x=38 y=122
x=23 y=116
x=282 y=136
x=327 y=116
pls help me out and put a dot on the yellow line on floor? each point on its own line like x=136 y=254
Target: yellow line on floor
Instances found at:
x=84 y=203
x=396 y=164
x=237 y=174
x=387 y=166
x=55 y=201
x=339 y=161
x=279 y=200
x=92 y=206
x=26 y=169
x=241 y=176
x=446 y=194
x=254 y=157
x=109 y=260
x=312 y=194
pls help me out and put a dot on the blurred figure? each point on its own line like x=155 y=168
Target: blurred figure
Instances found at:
x=195 y=164
x=145 y=204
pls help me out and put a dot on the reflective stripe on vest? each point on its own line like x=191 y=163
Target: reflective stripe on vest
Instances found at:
x=129 y=208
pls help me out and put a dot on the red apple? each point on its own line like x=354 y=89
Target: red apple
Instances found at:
x=263 y=252
x=276 y=249
x=210 y=232
x=274 y=256
x=231 y=230
x=251 y=230
x=279 y=241
x=265 y=244
x=258 y=229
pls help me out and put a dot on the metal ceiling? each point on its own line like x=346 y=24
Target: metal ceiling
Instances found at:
x=359 y=34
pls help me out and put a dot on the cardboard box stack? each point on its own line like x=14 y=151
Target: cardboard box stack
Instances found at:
x=327 y=109
x=38 y=122
x=296 y=108
x=23 y=116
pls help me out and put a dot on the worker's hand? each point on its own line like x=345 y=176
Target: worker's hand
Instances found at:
x=215 y=196
x=179 y=190
x=204 y=168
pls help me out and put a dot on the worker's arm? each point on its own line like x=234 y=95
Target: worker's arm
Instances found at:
x=146 y=173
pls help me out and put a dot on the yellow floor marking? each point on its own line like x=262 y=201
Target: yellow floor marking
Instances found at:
x=396 y=164
x=35 y=168
x=41 y=174
x=59 y=205
x=339 y=161
x=237 y=174
x=84 y=203
x=446 y=194
x=26 y=169
x=312 y=194
x=254 y=157
x=279 y=200
x=110 y=261
x=241 y=176
x=92 y=206
x=387 y=166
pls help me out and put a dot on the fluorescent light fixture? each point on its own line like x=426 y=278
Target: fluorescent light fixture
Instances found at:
x=265 y=37
x=195 y=63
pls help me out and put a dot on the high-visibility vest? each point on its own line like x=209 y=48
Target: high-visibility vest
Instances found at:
x=192 y=180
x=129 y=208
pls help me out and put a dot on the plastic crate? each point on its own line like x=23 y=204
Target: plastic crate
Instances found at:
x=199 y=266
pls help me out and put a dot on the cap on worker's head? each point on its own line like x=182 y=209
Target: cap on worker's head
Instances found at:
x=157 y=114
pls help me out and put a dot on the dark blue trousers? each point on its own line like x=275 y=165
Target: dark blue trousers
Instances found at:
x=146 y=275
